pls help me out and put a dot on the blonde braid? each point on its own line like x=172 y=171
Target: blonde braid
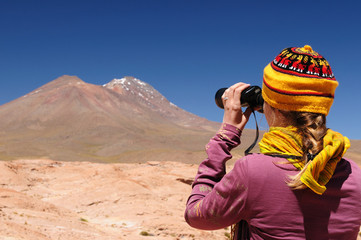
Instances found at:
x=312 y=128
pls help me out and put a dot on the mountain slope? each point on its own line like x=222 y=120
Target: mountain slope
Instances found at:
x=124 y=120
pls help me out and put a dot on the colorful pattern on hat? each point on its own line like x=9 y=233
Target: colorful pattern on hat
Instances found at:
x=299 y=79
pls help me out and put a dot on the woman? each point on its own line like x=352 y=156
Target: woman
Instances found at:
x=299 y=186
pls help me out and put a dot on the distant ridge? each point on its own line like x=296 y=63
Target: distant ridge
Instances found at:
x=124 y=120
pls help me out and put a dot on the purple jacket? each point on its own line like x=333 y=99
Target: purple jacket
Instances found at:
x=255 y=190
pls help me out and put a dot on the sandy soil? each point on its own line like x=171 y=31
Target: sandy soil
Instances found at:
x=45 y=199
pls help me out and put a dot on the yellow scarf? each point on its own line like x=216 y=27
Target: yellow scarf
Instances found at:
x=286 y=141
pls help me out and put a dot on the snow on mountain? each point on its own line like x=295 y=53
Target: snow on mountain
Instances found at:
x=133 y=86
x=150 y=97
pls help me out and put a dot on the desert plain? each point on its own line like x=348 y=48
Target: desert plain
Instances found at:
x=42 y=199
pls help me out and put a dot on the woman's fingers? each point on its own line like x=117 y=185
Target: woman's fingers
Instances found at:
x=233 y=113
x=233 y=95
x=237 y=94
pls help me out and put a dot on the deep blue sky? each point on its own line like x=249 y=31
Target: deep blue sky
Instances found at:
x=185 y=49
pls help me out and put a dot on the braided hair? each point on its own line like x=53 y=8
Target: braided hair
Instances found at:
x=312 y=128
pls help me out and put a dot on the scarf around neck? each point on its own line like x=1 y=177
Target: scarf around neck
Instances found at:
x=286 y=141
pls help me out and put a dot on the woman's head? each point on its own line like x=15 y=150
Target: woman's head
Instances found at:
x=301 y=80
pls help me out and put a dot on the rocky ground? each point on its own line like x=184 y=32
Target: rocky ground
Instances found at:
x=44 y=199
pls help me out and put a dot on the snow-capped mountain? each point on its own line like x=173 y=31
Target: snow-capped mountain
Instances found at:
x=123 y=120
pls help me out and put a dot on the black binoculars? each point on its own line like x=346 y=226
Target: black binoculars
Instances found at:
x=250 y=97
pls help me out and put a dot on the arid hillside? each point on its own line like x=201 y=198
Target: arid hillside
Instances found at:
x=125 y=120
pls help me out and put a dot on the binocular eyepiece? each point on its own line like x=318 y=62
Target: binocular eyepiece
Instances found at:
x=250 y=97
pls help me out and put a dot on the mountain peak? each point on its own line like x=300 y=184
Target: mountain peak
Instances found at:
x=64 y=80
x=125 y=83
x=68 y=79
x=132 y=86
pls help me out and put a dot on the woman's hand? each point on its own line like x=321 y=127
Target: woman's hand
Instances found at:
x=233 y=113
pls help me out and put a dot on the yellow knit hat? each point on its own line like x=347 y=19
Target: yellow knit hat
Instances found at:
x=299 y=79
